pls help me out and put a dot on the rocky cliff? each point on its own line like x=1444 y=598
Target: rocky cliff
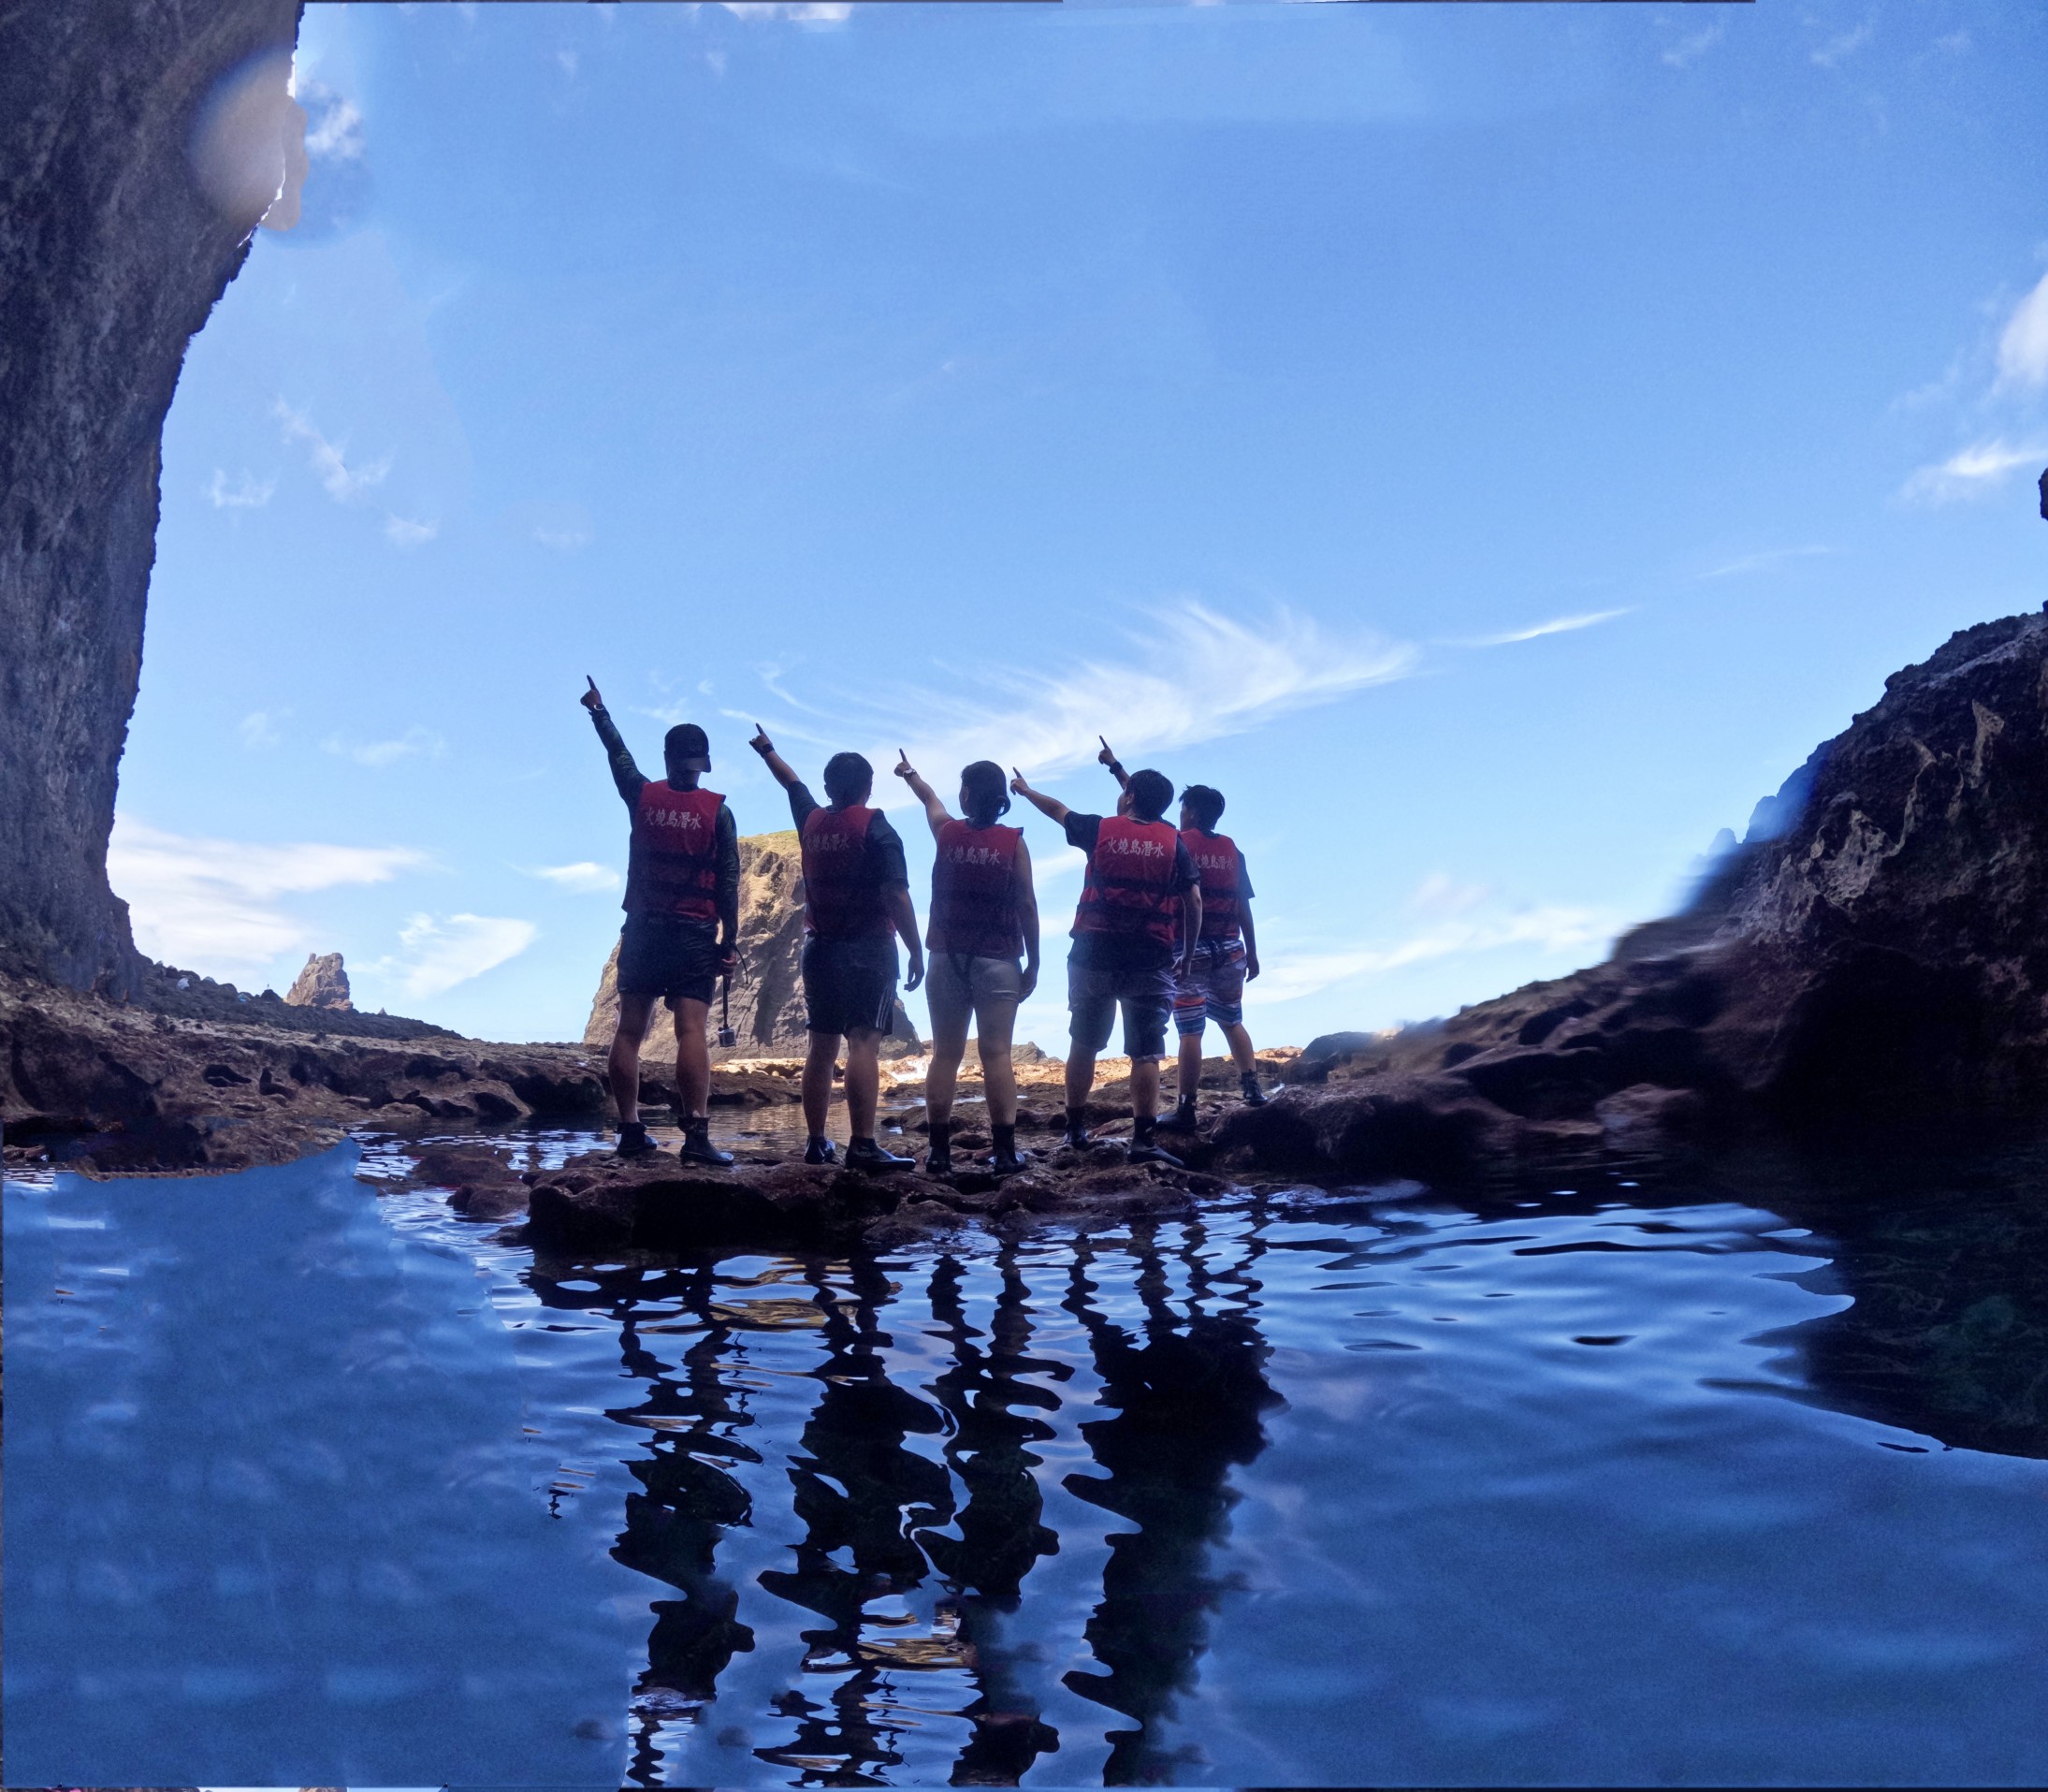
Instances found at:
x=323 y=984
x=137 y=139
x=767 y=1005
x=1876 y=949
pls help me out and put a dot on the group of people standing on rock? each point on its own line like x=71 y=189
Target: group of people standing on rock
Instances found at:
x=1163 y=928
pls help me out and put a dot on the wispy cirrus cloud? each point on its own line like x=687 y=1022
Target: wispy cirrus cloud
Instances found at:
x=246 y=493
x=586 y=875
x=330 y=460
x=1190 y=674
x=402 y=531
x=1764 y=562
x=1451 y=920
x=2022 y=344
x=1971 y=472
x=1556 y=625
x=1693 y=45
x=416 y=742
x=214 y=904
x=259 y=728
x=437 y=953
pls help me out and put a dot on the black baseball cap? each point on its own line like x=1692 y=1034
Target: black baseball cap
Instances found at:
x=688 y=747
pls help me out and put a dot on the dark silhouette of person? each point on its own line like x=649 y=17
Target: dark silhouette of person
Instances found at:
x=1190 y=1392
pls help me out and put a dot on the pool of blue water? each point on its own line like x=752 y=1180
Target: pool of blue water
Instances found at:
x=1735 y=1481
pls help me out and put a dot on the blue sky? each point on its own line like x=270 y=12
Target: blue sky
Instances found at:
x=1492 y=444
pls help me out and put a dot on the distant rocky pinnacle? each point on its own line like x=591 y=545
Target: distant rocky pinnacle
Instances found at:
x=767 y=1004
x=323 y=984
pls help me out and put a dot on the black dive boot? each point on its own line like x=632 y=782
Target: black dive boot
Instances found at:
x=1255 y=1097
x=938 y=1160
x=819 y=1150
x=1007 y=1160
x=1183 y=1117
x=1144 y=1148
x=633 y=1140
x=1076 y=1138
x=698 y=1148
x=865 y=1154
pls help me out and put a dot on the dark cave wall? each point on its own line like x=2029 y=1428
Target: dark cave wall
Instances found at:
x=111 y=256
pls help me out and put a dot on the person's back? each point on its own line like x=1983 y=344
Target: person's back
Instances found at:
x=974 y=890
x=1212 y=984
x=843 y=886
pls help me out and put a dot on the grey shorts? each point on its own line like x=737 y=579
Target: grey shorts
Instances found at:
x=984 y=990
x=1093 y=998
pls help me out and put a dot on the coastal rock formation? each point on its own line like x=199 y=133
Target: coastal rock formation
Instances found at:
x=1876 y=949
x=767 y=1002
x=113 y=248
x=323 y=984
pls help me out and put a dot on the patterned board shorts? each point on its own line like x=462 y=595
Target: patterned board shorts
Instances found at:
x=1214 y=987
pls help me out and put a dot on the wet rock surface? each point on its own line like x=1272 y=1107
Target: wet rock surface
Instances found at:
x=600 y=1201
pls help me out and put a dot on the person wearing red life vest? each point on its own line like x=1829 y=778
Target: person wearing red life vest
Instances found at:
x=984 y=912
x=1226 y=957
x=1141 y=888
x=856 y=903
x=682 y=921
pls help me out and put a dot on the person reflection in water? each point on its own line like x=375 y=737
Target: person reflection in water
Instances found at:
x=1190 y=1394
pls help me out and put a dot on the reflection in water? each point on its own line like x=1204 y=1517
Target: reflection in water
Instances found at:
x=901 y=1482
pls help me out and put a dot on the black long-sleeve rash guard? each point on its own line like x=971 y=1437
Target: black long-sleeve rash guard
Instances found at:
x=628 y=777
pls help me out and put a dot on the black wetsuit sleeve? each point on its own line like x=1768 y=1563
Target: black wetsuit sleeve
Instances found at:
x=728 y=845
x=801 y=804
x=625 y=773
x=1184 y=873
x=1083 y=830
x=885 y=854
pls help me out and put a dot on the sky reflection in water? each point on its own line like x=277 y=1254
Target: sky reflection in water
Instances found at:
x=1597 y=1485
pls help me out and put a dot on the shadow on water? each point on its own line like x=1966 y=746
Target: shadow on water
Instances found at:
x=1177 y=1389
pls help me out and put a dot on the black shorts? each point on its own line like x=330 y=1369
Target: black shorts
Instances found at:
x=661 y=955
x=850 y=983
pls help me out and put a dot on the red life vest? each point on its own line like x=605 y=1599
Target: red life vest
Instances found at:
x=1216 y=858
x=842 y=897
x=974 y=892
x=1130 y=888
x=673 y=867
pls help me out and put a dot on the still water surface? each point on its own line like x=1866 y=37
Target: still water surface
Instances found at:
x=1601 y=1484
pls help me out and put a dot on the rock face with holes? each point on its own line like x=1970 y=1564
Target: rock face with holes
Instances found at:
x=1876 y=948
x=112 y=251
x=767 y=1005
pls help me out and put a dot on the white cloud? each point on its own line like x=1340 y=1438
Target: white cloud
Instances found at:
x=1695 y=44
x=1974 y=471
x=567 y=58
x=212 y=904
x=1556 y=625
x=716 y=59
x=2023 y=347
x=330 y=460
x=1838 y=49
x=583 y=875
x=339 y=135
x=247 y=493
x=1459 y=920
x=1195 y=674
x=401 y=532
x=803 y=12
x=562 y=540
x=1762 y=562
x=435 y=954
x=415 y=740
x=258 y=728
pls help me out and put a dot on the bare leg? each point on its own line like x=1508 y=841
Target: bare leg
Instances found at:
x=818 y=1062
x=863 y=1080
x=995 y=1027
x=1145 y=1087
x=1191 y=1065
x=943 y=1078
x=623 y=1067
x=1081 y=1075
x=1240 y=1048
x=692 y=1058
